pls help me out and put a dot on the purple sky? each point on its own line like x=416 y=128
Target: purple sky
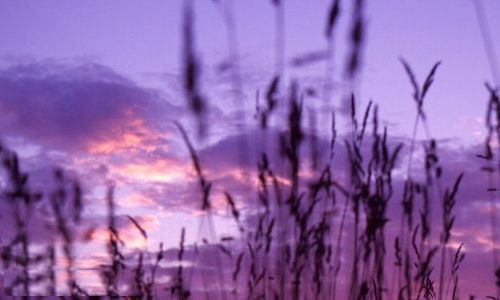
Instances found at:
x=95 y=89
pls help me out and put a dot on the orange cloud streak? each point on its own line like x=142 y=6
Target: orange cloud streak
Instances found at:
x=159 y=170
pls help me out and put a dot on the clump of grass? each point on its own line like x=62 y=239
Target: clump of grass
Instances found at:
x=58 y=201
x=295 y=251
x=16 y=251
x=117 y=259
x=179 y=287
x=493 y=136
x=424 y=251
x=18 y=257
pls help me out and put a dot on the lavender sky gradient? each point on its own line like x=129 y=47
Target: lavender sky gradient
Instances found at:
x=94 y=87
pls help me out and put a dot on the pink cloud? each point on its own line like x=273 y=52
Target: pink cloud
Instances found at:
x=77 y=107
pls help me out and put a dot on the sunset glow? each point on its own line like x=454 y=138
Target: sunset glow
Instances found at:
x=228 y=149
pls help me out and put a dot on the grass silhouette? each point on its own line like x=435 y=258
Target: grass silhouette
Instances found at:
x=320 y=234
